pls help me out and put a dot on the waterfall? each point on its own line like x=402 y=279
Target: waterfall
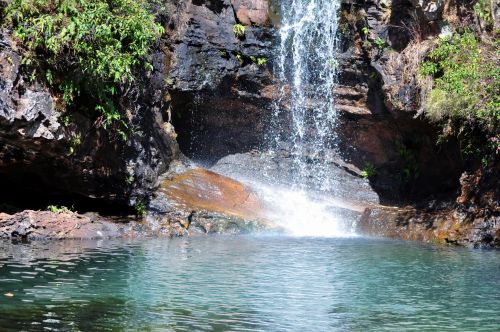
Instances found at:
x=306 y=71
x=299 y=180
x=305 y=118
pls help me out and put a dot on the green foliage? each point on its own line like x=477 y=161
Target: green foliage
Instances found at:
x=74 y=142
x=140 y=209
x=129 y=179
x=239 y=57
x=380 y=43
x=368 y=171
x=365 y=30
x=482 y=9
x=466 y=92
x=59 y=209
x=89 y=46
x=409 y=169
x=239 y=30
x=65 y=120
x=260 y=61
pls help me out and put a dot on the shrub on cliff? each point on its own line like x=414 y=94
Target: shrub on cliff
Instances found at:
x=85 y=46
x=466 y=93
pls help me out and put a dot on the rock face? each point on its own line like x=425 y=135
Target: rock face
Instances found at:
x=48 y=150
x=408 y=29
x=250 y=12
x=37 y=225
x=478 y=228
x=379 y=100
x=219 y=93
x=198 y=201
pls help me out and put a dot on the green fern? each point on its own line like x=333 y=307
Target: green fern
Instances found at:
x=90 y=45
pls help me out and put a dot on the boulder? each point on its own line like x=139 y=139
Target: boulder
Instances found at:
x=251 y=12
x=199 y=201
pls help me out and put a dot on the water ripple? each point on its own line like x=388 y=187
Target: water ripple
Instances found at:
x=248 y=284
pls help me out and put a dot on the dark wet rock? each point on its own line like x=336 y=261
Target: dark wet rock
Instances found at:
x=198 y=201
x=380 y=95
x=472 y=220
x=379 y=99
x=280 y=169
x=219 y=94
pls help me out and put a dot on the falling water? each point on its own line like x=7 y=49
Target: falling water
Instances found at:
x=306 y=69
x=301 y=184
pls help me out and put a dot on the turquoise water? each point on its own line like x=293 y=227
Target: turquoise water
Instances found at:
x=248 y=284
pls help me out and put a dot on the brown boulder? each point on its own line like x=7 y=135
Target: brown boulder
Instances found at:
x=201 y=201
x=203 y=189
x=251 y=12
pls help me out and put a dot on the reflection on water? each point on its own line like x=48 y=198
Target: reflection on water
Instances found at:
x=247 y=283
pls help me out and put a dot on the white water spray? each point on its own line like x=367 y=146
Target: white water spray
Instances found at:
x=306 y=68
x=301 y=214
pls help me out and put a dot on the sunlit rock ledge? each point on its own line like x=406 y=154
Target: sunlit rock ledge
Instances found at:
x=199 y=201
x=195 y=201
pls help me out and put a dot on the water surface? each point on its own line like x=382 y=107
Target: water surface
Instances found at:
x=248 y=284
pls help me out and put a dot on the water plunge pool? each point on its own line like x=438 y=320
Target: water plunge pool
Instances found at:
x=248 y=283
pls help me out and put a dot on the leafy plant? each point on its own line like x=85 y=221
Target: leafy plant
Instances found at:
x=380 y=43
x=74 y=142
x=239 y=30
x=260 y=61
x=129 y=179
x=368 y=171
x=89 y=46
x=365 y=30
x=483 y=10
x=409 y=169
x=59 y=209
x=65 y=120
x=239 y=57
x=140 y=208
x=465 y=96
